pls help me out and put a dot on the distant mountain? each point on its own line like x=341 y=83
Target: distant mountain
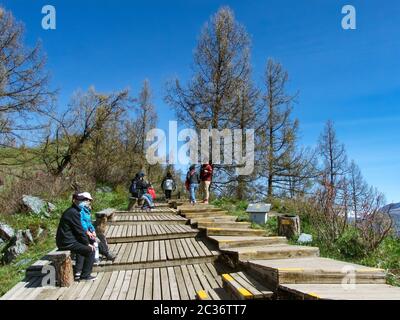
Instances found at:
x=393 y=210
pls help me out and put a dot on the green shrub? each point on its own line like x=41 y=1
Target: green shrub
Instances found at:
x=350 y=245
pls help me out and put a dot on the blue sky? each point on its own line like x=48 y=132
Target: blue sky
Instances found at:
x=349 y=76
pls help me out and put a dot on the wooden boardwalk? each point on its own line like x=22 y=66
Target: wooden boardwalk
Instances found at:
x=159 y=257
x=164 y=283
x=162 y=256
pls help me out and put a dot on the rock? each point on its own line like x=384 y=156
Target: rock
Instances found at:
x=27 y=236
x=15 y=247
x=305 y=238
x=23 y=262
x=6 y=232
x=40 y=233
x=37 y=205
x=104 y=189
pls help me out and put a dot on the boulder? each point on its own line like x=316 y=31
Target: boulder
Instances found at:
x=27 y=236
x=14 y=248
x=104 y=189
x=305 y=238
x=37 y=205
x=6 y=232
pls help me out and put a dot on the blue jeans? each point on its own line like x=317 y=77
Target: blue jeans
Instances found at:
x=193 y=187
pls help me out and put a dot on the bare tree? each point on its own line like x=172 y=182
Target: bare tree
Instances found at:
x=86 y=115
x=333 y=155
x=24 y=93
x=221 y=62
x=279 y=132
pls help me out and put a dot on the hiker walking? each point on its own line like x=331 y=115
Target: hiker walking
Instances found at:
x=206 y=173
x=134 y=192
x=168 y=185
x=192 y=183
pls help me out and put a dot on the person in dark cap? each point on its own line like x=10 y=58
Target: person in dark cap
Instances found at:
x=71 y=236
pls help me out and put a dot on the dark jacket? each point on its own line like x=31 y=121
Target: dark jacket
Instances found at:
x=192 y=177
x=141 y=187
x=70 y=230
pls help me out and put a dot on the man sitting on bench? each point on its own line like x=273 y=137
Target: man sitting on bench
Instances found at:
x=71 y=236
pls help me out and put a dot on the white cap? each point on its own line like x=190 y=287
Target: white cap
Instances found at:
x=85 y=195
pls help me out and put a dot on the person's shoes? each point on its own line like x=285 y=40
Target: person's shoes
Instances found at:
x=77 y=276
x=89 y=278
x=110 y=257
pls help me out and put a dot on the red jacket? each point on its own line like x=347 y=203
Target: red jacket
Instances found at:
x=206 y=176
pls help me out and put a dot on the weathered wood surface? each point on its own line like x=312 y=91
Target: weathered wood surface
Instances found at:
x=137 y=255
x=338 y=292
x=165 y=283
x=143 y=232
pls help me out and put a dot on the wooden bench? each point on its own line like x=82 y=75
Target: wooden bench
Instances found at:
x=102 y=217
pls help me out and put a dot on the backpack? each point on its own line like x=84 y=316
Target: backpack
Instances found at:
x=133 y=188
x=168 y=184
x=151 y=192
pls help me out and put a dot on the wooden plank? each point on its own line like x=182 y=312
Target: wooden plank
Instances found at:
x=148 y=285
x=156 y=284
x=156 y=250
x=132 y=253
x=182 y=253
x=163 y=252
x=102 y=287
x=140 y=285
x=150 y=253
x=108 y=290
x=89 y=295
x=133 y=285
x=144 y=252
x=174 y=249
x=194 y=278
x=172 y=283
x=168 y=249
x=210 y=278
x=181 y=284
x=138 y=253
x=118 y=285
x=189 y=283
x=186 y=248
x=165 y=288
x=125 y=285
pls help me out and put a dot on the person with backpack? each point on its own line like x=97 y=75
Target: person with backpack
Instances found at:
x=134 y=193
x=168 y=185
x=206 y=173
x=148 y=198
x=192 y=183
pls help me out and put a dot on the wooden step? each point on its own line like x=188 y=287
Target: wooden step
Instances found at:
x=278 y=251
x=228 y=225
x=192 y=215
x=145 y=232
x=200 y=210
x=153 y=254
x=144 y=218
x=244 y=287
x=234 y=232
x=146 y=212
x=224 y=242
x=315 y=270
x=338 y=292
x=213 y=219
